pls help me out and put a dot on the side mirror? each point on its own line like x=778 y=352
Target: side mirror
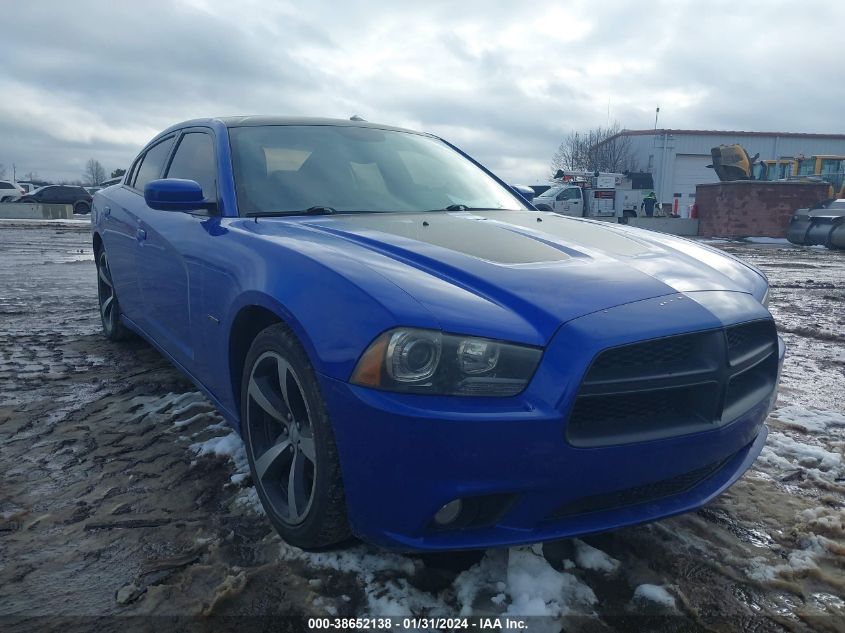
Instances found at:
x=525 y=192
x=175 y=194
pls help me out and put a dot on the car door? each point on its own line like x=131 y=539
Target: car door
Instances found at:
x=569 y=202
x=172 y=245
x=576 y=202
x=48 y=195
x=119 y=218
x=562 y=201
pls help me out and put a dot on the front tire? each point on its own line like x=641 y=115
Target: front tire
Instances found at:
x=290 y=443
x=113 y=328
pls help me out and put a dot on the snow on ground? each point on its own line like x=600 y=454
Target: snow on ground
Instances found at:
x=518 y=581
x=588 y=557
x=809 y=420
x=804 y=450
x=785 y=454
x=780 y=241
x=655 y=594
x=536 y=588
x=229 y=445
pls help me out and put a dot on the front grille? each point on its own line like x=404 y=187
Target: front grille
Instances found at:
x=751 y=387
x=749 y=339
x=640 y=494
x=671 y=350
x=674 y=385
x=628 y=406
x=641 y=415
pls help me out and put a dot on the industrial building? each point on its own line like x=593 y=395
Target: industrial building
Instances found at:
x=678 y=159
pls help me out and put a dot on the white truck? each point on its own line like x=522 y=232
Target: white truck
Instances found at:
x=606 y=196
x=580 y=196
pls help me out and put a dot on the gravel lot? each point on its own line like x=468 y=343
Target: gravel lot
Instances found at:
x=124 y=493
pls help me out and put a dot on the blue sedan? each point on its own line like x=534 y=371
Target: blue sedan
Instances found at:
x=415 y=355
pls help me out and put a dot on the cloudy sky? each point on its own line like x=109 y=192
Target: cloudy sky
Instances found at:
x=504 y=80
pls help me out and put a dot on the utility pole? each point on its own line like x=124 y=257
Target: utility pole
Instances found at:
x=656 y=114
x=14 y=173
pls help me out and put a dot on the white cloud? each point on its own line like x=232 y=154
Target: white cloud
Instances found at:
x=505 y=81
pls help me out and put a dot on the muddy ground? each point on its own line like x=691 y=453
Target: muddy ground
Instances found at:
x=122 y=493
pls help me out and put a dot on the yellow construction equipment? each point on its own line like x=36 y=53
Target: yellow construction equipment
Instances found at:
x=732 y=162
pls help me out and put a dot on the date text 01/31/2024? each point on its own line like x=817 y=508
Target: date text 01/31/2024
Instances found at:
x=439 y=624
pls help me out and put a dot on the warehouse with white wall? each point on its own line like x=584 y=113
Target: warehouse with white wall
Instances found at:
x=678 y=159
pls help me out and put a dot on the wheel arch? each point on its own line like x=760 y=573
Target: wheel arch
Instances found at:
x=248 y=322
x=97 y=243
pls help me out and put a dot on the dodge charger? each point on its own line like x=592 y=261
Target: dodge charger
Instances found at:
x=415 y=355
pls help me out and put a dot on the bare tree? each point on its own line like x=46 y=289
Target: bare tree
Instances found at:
x=32 y=176
x=598 y=149
x=2 y=171
x=94 y=172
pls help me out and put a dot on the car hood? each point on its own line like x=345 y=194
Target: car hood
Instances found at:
x=521 y=274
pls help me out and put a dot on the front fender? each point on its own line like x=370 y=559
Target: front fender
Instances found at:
x=334 y=304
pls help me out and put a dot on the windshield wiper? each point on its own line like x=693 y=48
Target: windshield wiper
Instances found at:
x=316 y=210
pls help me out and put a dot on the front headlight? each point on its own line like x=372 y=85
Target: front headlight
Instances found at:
x=413 y=360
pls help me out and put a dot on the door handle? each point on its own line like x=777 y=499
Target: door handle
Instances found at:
x=141 y=235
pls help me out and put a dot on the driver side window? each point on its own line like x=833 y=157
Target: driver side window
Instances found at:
x=569 y=194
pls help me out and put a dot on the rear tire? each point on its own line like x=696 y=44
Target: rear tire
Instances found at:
x=113 y=327
x=81 y=208
x=290 y=442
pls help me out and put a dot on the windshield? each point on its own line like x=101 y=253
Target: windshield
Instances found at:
x=551 y=192
x=281 y=168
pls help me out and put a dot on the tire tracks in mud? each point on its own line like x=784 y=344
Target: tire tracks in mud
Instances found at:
x=106 y=509
x=102 y=494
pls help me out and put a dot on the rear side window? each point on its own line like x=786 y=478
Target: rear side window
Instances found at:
x=194 y=160
x=152 y=163
x=6 y=185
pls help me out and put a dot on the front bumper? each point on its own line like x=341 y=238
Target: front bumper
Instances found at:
x=404 y=456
